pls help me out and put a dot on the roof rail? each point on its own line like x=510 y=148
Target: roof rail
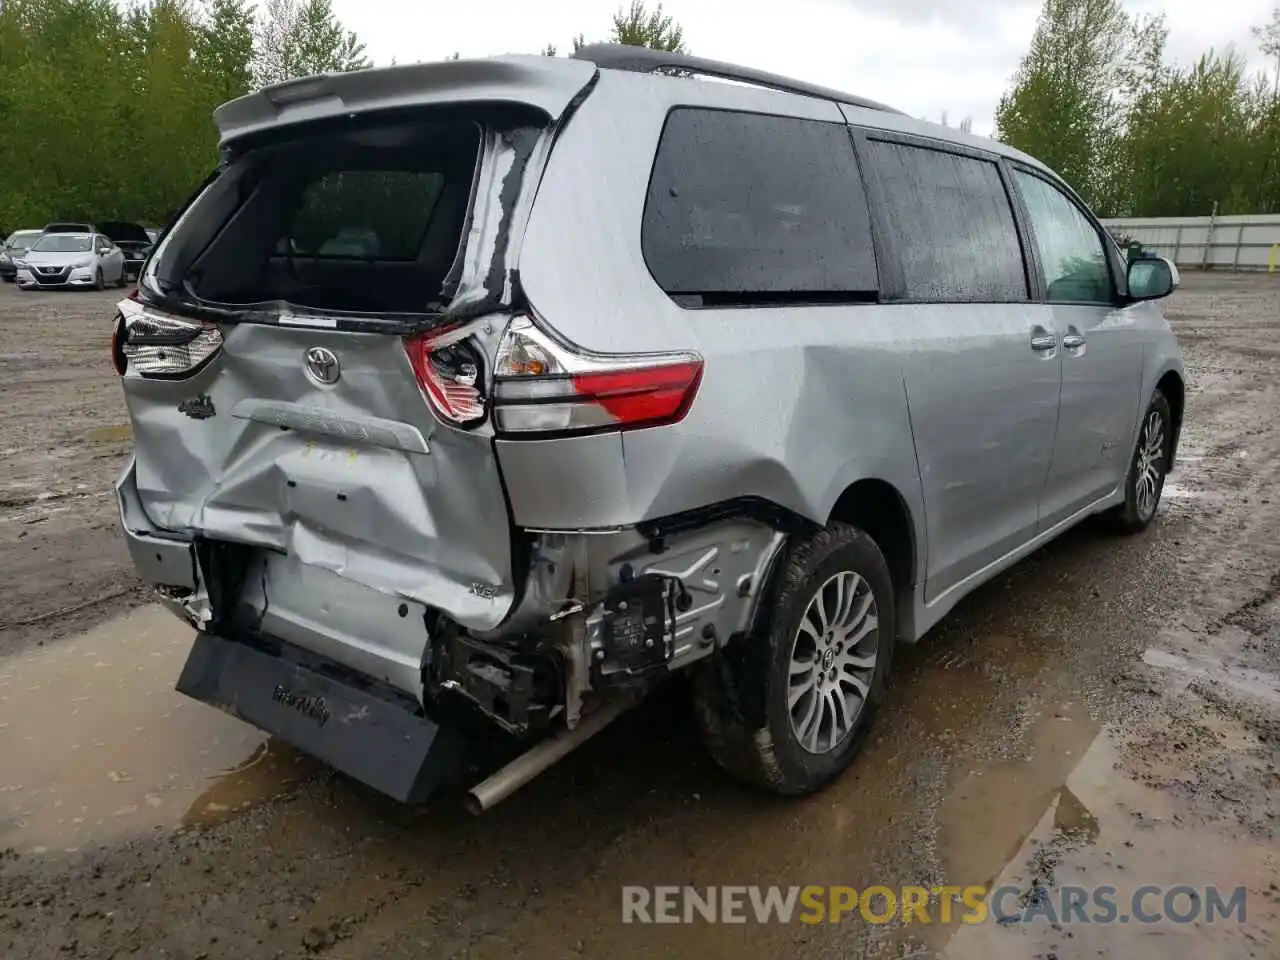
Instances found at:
x=617 y=56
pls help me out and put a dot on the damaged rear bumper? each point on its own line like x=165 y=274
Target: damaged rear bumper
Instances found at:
x=370 y=735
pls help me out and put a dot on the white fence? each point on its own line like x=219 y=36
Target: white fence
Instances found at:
x=1215 y=243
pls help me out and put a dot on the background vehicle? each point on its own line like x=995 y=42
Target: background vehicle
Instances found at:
x=71 y=260
x=69 y=227
x=14 y=246
x=133 y=240
x=629 y=374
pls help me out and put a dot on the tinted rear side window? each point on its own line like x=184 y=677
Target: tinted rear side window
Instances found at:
x=951 y=223
x=749 y=208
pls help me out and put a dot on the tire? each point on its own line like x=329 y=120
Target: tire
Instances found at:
x=99 y=283
x=1150 y=458
x=744 y=695
x=122 y=281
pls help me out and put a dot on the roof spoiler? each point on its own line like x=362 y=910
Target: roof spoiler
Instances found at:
x=544 y=83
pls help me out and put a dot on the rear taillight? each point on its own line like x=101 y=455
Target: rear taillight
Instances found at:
x=449 y=372
x=160 y=346
x=542 y=387
x=118 y=361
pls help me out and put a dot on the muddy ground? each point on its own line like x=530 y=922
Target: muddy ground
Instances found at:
x=1107 y=713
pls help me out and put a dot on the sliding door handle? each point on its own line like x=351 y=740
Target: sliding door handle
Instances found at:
x=1043 y=341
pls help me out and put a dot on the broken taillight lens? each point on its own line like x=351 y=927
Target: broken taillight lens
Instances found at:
x=160 y=346
x=542 y=387
x=448 y=371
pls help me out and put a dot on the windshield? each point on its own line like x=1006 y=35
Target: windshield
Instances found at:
x=21 y=241
x=62 y=243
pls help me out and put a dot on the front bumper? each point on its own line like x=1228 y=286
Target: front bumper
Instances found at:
x=63 y=279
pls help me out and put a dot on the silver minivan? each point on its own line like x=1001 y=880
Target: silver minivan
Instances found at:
x=624 y=373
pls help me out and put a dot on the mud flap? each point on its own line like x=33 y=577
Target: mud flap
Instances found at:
x=371 y=738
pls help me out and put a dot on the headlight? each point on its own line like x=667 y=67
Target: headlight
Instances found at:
x=82 y=264
x=19 y=263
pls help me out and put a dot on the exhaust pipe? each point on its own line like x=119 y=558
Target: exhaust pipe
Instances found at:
x=532 y=762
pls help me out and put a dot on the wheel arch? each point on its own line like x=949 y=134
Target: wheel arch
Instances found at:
x=880 y=510
x=1174 y=389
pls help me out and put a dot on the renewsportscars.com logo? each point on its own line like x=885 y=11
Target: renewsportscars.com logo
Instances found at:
x=1147 y=904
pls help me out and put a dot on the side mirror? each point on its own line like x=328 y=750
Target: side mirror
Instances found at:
x=1151 y=278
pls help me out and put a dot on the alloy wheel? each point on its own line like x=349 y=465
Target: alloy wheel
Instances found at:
x=1150 y=464
x=833 y=661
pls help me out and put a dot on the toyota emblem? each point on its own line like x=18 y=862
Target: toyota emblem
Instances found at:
x=321 y=365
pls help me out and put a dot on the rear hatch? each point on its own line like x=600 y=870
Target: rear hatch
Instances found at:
x=305 y=364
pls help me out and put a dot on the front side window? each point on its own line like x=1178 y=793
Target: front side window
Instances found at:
x=1072 y=255
x=745 y=208
x=951 y=222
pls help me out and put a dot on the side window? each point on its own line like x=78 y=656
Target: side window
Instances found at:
x=103 y=244
x=1071 y=250
x=366 y=214
x=952 y=225
x=747 y=208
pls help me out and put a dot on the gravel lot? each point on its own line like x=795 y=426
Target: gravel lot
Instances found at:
x=1106 y=713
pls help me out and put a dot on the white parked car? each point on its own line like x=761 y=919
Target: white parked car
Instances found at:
x=71 y=260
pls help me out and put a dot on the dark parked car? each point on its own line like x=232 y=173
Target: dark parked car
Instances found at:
x=133 y=239
x=12 y=249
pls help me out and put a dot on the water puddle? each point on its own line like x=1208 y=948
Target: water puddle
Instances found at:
x=98 y=746
x=1108 y=830
x=992 y=809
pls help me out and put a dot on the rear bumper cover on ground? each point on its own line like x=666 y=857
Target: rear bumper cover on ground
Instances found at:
x=371 y=738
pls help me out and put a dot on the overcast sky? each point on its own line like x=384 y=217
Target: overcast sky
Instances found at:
x=922 y=56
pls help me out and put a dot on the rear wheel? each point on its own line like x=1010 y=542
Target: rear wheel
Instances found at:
x=123 y=280
x=99 y=282
x=790 y=708
x=1147 y=469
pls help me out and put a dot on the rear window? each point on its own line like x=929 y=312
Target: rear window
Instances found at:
x=380 y=214
x=369 y=219
x=746 y=208
x=951 y=224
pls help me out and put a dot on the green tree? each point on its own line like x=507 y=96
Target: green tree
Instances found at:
x=224 y=48
x=1268 y=37
x=107 y=108
x=638 y=26
x=298 y=38
x=1065 y=105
